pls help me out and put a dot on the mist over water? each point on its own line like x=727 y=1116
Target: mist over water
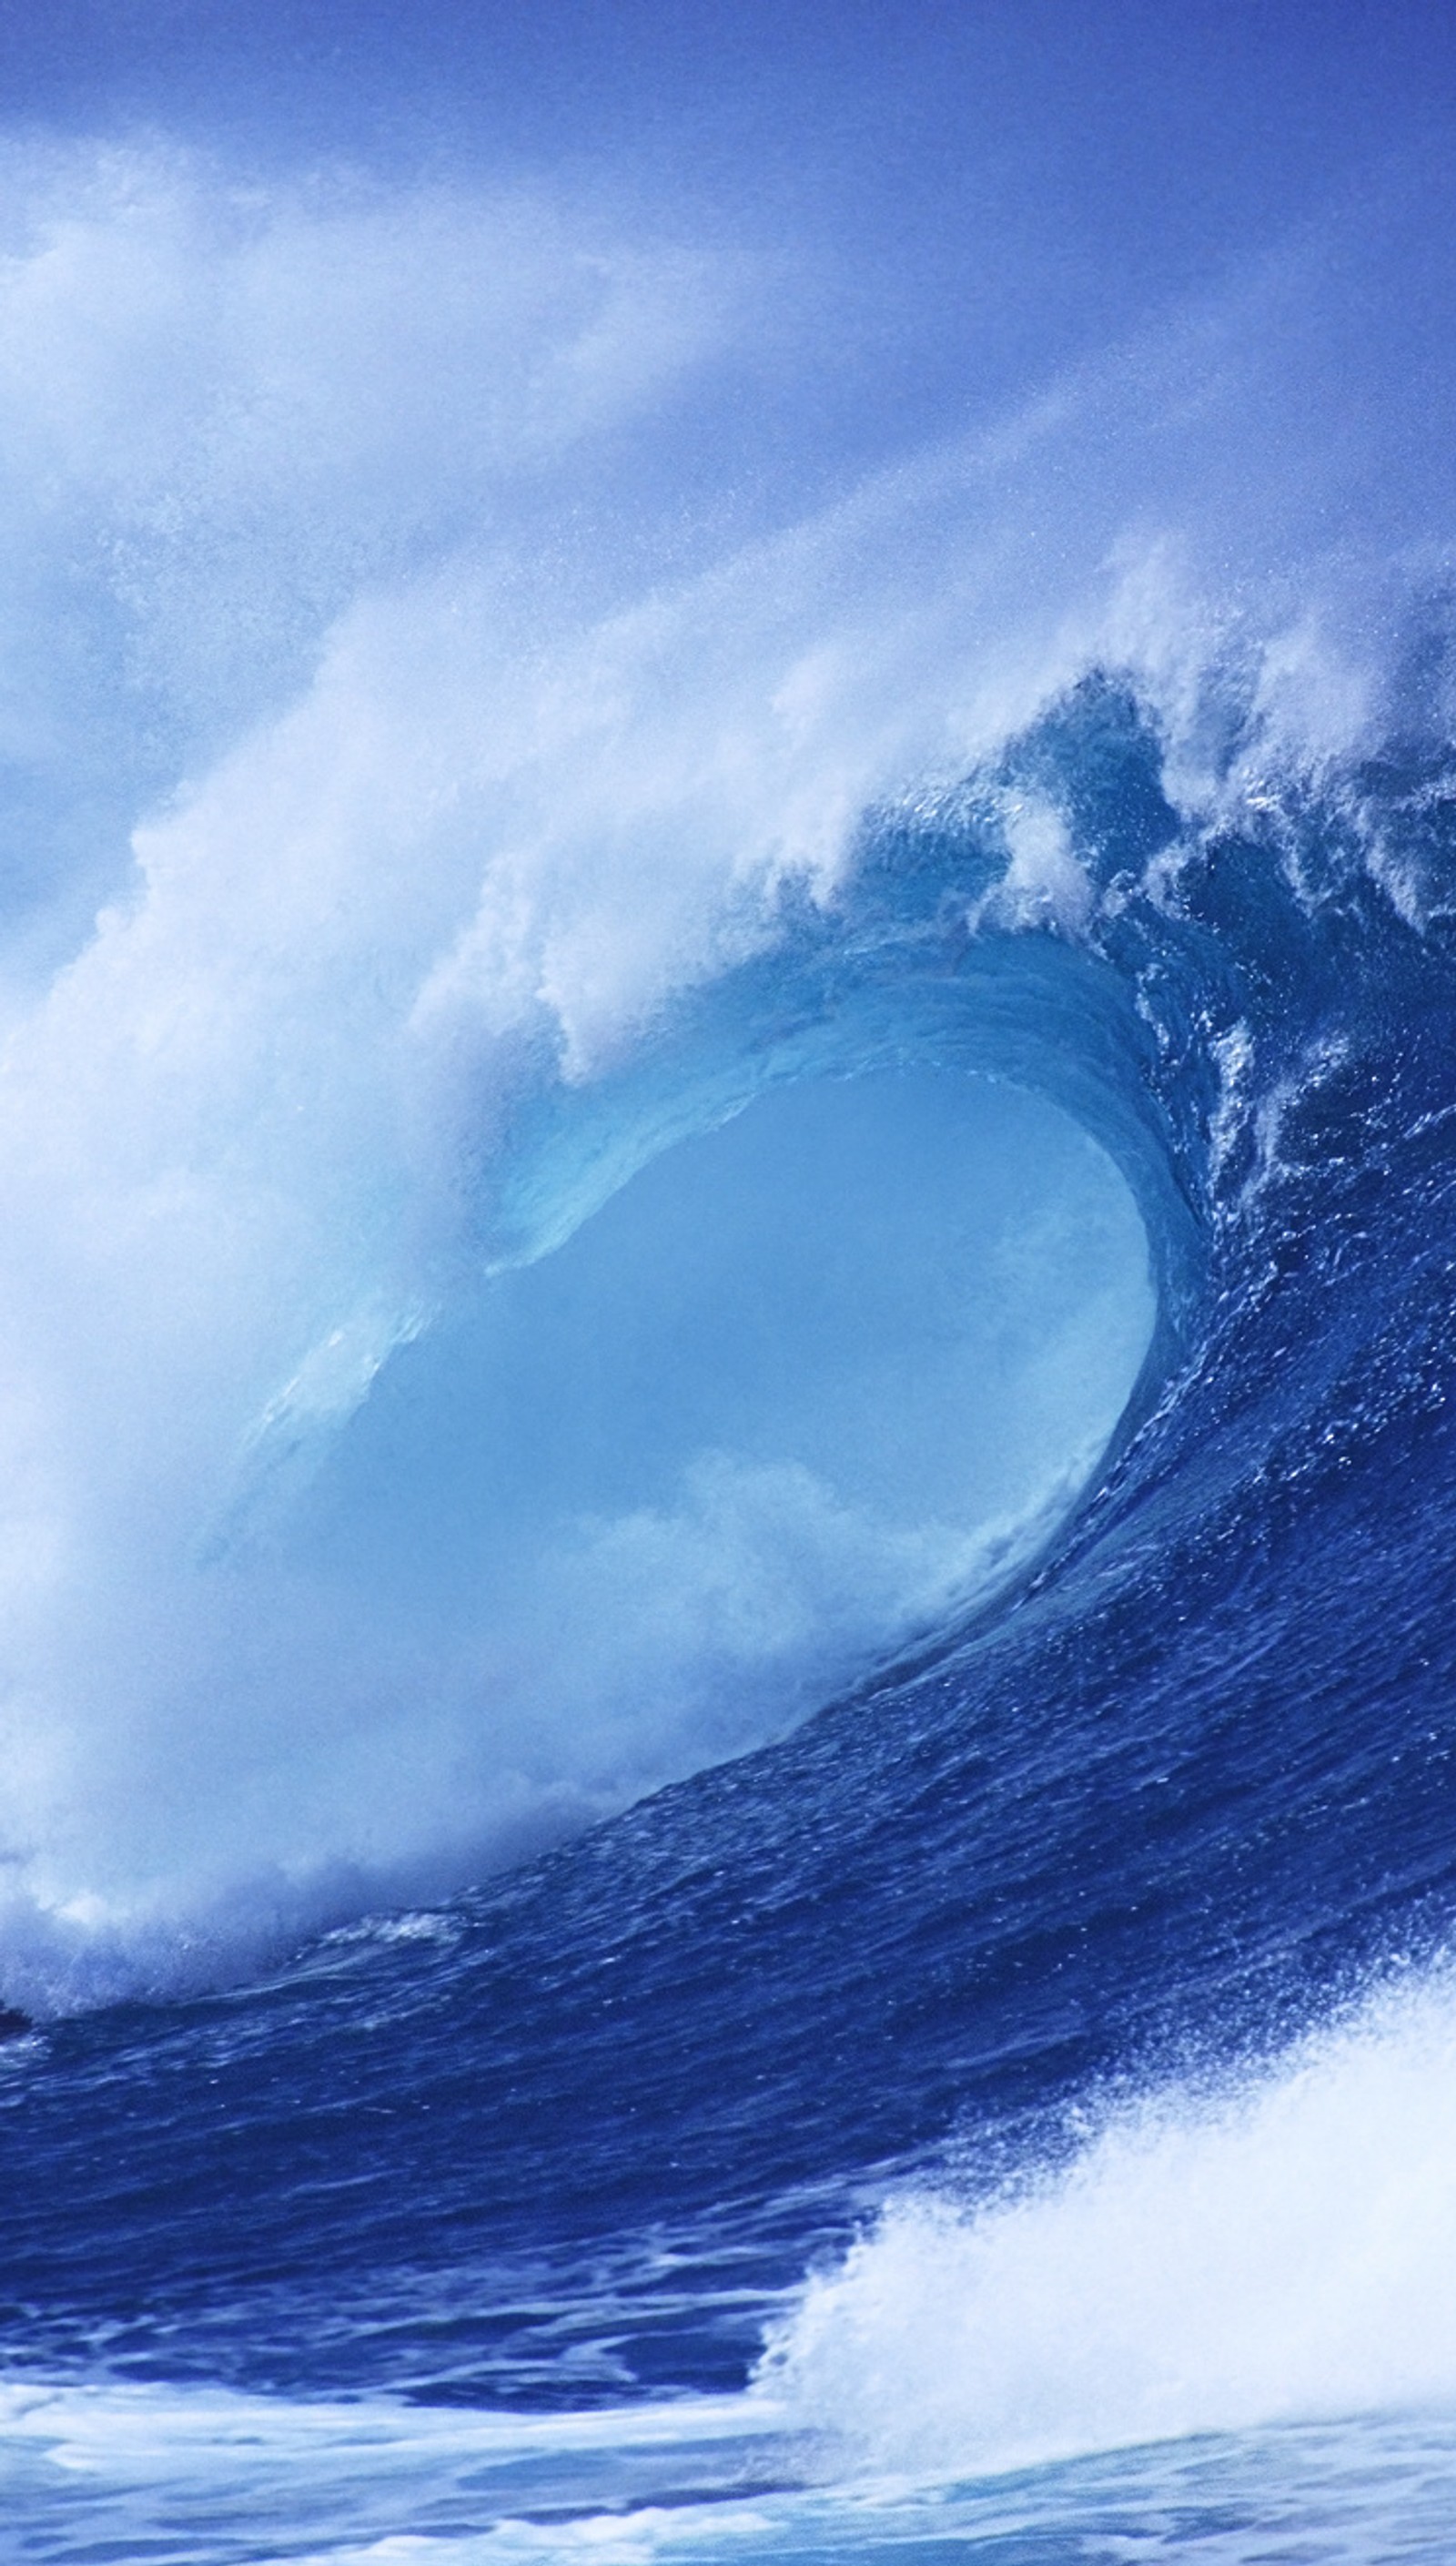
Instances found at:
x=396 y=833
x=404 y=840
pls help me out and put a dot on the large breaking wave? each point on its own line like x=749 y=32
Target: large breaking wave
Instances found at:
x=629 y=1146
x=396 y=1474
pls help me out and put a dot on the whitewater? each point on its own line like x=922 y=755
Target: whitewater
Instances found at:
x=727 y=1252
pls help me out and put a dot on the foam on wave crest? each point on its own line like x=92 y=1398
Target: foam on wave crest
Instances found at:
x=1280 y=2250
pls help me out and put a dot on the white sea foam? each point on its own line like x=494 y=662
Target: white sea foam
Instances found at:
x=217 y=2478
x=201 y=2477
x=1205 y=2264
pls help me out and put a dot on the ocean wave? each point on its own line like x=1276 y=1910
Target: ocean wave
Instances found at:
x=418 y=1506
x=1274 y=2252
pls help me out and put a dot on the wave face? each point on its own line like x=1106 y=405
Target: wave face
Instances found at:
x=569 y=2139
x=726 y=1382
